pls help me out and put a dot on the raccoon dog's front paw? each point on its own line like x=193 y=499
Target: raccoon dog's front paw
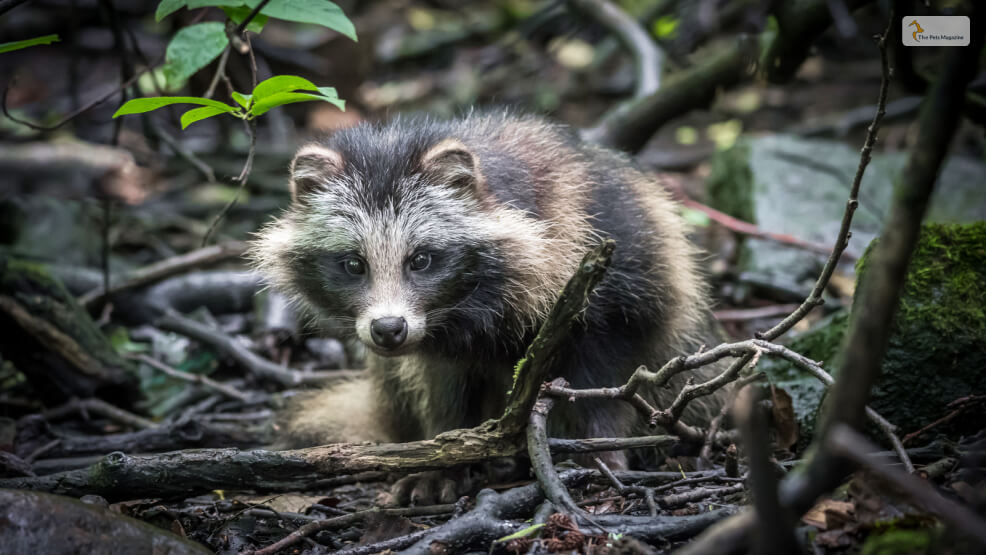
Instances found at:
x=426 y=488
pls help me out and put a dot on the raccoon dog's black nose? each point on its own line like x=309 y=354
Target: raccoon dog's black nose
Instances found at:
x=389 y=332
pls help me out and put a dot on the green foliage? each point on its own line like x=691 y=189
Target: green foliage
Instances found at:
x=193 y=48
x=271 y=93
x=317 y=12
x=17 y=45
x=665 y=27
x=522 y=533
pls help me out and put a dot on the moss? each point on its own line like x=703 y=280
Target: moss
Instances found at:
x=897 y=541
x=937 y=352
x=730 y=183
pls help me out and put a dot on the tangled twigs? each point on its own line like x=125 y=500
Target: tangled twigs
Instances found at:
x=343 y=521
x=848 y=443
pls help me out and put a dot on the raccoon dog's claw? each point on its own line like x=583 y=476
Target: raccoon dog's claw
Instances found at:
x=424 y=488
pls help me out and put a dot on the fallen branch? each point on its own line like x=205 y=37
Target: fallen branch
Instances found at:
x=98 y=406
x=167 y=268
x=630 y=125
x=647 y=56
x=254 y=363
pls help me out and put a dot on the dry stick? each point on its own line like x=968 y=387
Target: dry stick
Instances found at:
x=343 y=521
x=716 y=423
x=960 y=405
x=878 y=297
x=624 y=490
x=537 y=450
x=697 y=494
x=166 y=268
x=746 y=351
x=220 y=72
x=251 y=127
x=845 y=441
x=745 y=228
x=592 y=445
x=779 y=538
x=261 y=367
x=745 y=314
x=647 y=56
x=101 y=407
x=80 y=111
x=205 y=381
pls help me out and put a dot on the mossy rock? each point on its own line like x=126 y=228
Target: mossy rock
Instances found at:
x=796 y=186
x=937 y=351
x=54 y=342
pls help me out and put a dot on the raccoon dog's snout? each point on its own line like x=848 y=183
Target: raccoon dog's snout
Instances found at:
x=389 y=332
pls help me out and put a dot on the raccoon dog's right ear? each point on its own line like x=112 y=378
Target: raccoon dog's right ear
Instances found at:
x=310 y=168
x=452 y=163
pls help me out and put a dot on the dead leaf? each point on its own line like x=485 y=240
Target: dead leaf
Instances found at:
x=829 y=514
x=785 y=421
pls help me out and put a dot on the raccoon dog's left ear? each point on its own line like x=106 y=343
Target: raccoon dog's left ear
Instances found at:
x=452 y=163
x=310 y=167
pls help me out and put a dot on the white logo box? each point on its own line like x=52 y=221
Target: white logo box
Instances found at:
x=935 y=30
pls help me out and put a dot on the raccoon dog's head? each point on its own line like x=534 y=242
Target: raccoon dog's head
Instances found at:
x=394 y=236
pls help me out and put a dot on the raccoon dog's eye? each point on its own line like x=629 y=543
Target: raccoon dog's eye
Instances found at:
x=354 y=266
x=420 y=261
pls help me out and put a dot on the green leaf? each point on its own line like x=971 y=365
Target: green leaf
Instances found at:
x=280 y=99
x=193 y=48
x=665 y=27
x=282 y=83
x=319 y=12
x=238 y=14
x=167 y=7
x=17 y=45
x=198 y=114
x=522 y=533
x=141 y=105
x=242 y=99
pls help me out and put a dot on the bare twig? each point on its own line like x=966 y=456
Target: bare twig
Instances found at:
x=98 y=406
x=167 y=268
x=779 y=537
x=643 y=491
x=172 y=321
x=251 y=127
x=848 y=443
x=343 y=521
x=537 y=449
x=220 y=72
x=205 y=381
x=256 y=10
x=958 y=406
x=745 y=228
x=842 y=240
x=110 y=94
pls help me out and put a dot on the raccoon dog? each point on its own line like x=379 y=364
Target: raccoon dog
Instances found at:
x=441 y=246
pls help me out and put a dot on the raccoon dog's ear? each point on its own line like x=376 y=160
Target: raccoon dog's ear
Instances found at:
x=310 y=168
x=452 y=163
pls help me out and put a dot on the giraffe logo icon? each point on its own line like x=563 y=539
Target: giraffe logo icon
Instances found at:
x=918 y=30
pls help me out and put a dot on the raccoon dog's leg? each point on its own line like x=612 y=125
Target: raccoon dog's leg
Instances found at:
x=599 y=360
x=345 y=412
